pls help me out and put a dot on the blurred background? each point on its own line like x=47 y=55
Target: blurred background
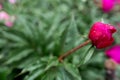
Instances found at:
x=34 y=33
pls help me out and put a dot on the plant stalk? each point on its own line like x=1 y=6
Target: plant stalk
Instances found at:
x=110 y=67
x=73 y=50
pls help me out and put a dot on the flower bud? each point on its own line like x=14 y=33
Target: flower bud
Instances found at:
x=107 y=5
x=101 y=34
x=114 y=53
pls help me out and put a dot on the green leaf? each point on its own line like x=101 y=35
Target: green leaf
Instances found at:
x=63 y=39
x=19 y=56
x=54 y=26
x=88 y=54
x=50 y=74
x=13 y=37
x=2 y=42
x=31 y=68
x=35 y=74
x=3 y=73
x=64 y=75
x=53 y=62
x=73 y=36
x=72 y=70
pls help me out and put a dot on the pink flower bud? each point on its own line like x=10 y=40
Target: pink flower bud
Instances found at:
x=12 y=1
x=101 y=34
x=114 y=53
x=107 y=5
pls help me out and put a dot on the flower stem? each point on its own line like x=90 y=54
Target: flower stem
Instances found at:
x=72 y=50
x=110 y=67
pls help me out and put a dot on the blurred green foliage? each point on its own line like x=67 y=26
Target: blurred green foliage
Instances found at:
x=45 y=29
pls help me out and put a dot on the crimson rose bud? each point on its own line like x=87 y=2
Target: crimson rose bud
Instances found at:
x=101 y=34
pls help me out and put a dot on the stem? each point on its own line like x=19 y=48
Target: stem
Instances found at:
x=72 y=50
x=110 y=67
x=98 y=3
x=110 y=74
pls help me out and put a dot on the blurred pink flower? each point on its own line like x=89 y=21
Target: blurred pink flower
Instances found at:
x=4 y=16
x=118 y=1
x=7 y=19
x=12 y=1
x=114 y=53
x=107 y=5
x=9 y=23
